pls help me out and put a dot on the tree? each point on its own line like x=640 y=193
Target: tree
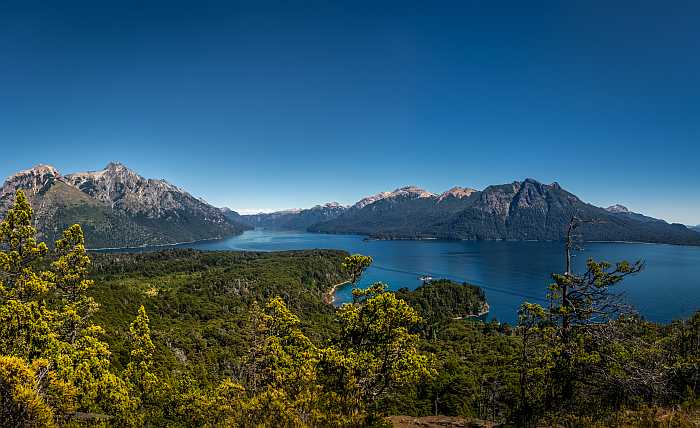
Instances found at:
x=70 y=271
x=21 y=403
x=139 y=371
x=286 y=392
x=25 y=329
x=95 y=391
x=376 y=352
x=256 y=331
x=18 y=235
x=683 y=344
x=571 y=337
x=590 y=299
x=355 y=266
x=535 y=361
x=44 y=323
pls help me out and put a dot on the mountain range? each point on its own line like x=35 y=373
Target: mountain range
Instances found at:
x=119 y=208
x=522 y=210
x=116 y=207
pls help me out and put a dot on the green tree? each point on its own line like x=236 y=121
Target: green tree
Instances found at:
x=97 y=392
x=537 y=351
x=25 y=318
x=21 y=250
x=287 y=389
x=376 y=352
x=355 y=265
x=21 y=403
x=70 y=270
x=44 y=322
x=576 y=341
x=139 y=371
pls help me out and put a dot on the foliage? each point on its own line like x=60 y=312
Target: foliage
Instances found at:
x=376 y=352
x=440 y=300
x=44 y=325
x=355 y=265
x=21 y=404
x=245 y=339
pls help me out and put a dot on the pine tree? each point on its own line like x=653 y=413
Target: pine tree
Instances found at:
x=355 y=266
x=25 y=318
x=70 y=271
x=139 y=370
x=44 y=322
x=21 y=403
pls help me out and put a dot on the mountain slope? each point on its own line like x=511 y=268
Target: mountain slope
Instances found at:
x=116 y=207
x=526 y=210
x=295 y=219
x=403 y=213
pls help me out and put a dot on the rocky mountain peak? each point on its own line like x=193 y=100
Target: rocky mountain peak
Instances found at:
x=617 y=208
x=371 y=199
x=30 y=180
x=411 y=191
x=123 y=188
x=331 y=206
x=532 y=183
x=115 y=165
x=457 y=192
x=144 y=211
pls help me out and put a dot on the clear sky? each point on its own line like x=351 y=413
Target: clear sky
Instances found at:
x=268 y=105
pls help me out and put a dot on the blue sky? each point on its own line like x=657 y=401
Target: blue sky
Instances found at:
x=268 y=105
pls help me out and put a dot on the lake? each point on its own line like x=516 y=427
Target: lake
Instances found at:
x=509 y=272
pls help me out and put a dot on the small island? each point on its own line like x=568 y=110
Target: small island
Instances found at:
x=442 y=299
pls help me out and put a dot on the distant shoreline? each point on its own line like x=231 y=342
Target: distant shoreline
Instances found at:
x=377 y=238
x=141 y=247
x=368 y=238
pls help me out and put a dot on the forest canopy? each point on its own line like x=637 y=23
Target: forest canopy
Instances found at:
x=189 y=338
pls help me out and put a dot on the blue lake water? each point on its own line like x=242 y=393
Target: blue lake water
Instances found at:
x=509 y=272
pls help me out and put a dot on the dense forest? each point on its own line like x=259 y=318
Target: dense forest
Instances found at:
x=189 y=338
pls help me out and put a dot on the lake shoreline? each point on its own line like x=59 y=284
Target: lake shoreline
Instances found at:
x=370 y=238
x=329 y=296
x=154 y=246
x=509 y=272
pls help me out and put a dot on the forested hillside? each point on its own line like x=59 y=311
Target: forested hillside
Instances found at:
x=522 y=210
x=116 y=207
x=199 y=303
x=188 y=338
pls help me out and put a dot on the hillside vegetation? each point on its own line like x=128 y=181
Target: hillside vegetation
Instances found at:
x=522 y=210
x=115 y=207
x=188 y=338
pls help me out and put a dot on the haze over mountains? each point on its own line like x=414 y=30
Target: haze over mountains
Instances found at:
x=116 y=207
x=119 y=208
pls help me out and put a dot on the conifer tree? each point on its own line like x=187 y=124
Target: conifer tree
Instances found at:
x=44 y=322
x=377 y=350
x=355 y=265
x=139 y=371
x=70 y=271
x=25 y=318
x=21 y=403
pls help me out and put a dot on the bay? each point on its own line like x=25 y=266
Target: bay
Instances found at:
x=509 y=272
